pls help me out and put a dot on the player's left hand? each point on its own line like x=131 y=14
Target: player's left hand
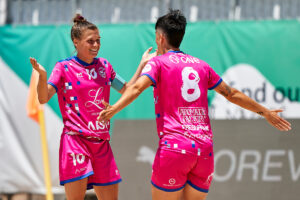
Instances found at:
x=278 y=122
x=107 y=113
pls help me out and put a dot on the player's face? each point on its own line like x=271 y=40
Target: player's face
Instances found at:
x=88 y=46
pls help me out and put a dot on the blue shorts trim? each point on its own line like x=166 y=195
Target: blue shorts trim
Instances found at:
x=50 y=83
x=152 y=79
x=218 y=83
x=167 y=190
x=90 y=185
x=77 y=178
x=197 y=188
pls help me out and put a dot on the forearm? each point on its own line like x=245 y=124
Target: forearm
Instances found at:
x=145 y=58
x=136 y=74
x=130 y=94
x=242 y=100
x=42 y=89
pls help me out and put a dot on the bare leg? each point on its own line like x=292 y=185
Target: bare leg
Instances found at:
x=109 y=192
x=76 y=190
x=162 y=195
x=189 y=193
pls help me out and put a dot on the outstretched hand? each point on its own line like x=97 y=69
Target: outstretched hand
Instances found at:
x=36 y=66
x=278 y=122
x=107 y=113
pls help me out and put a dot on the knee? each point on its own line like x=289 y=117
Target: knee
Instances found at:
x=75 y=196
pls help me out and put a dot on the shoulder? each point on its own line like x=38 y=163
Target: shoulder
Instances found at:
x=156 y=60
x=193 y=59
x=199 y=62
x=65 y=60
x=102 y=61
x=204 y=64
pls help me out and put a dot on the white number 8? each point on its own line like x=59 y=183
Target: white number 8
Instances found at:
x=190 y=90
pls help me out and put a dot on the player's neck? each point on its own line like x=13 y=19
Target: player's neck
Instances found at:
x=170 y=49
x=85 y=59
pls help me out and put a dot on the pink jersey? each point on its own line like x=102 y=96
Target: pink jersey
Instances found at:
x=80 y=89
x=180 y=95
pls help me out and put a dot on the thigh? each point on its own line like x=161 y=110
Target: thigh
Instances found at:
x=201 y=175
x=76 y=190
x=109 y=192
x=170 y=170
x=158 y=194
x=74 y=159
x=189 y=193
x=104 y=166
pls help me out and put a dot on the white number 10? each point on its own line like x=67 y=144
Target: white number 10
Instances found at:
x=77 y=157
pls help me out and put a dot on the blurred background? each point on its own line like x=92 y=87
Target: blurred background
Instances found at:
x=253 y=44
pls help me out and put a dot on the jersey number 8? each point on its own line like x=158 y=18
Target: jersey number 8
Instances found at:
x=190 y=90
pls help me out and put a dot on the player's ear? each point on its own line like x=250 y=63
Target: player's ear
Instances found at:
x=75 y=42
x=159 y=38
x=163 y=38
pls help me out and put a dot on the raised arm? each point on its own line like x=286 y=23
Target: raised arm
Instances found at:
x=145 y=58
x=237 y=97
x=45 y=91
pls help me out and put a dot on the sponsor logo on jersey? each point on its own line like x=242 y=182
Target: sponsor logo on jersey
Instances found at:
x=174 y=59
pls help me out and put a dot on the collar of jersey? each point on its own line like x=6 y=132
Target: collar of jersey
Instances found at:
x=175 y=51
x=82 y=62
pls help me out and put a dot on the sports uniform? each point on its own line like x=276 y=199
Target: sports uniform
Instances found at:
x=185 y=152
x=85 y=150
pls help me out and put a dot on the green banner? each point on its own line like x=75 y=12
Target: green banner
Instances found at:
x=268 y=48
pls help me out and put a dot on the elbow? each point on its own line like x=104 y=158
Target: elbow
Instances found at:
x=136 y=90
x=232 y=95
x=123 y=88
x=43 y=100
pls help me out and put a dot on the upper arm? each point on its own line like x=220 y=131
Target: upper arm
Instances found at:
x=123 y=89
x=213 y=79
x=152 y=71
x=51 y=91
x=119 y=84
x=55 y=79
x=224 y=89
x=143 y=83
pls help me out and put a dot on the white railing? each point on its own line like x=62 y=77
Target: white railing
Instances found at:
x=123 y=11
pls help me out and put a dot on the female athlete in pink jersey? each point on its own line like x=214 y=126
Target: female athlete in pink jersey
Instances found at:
x=184 y=163
x=81 y=82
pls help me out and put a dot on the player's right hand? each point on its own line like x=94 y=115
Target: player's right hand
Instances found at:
x=147 y=55
x=107 y=113
x=36 y=66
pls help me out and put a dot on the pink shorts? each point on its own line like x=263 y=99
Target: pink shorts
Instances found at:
x=173 y=168
x=80 y=157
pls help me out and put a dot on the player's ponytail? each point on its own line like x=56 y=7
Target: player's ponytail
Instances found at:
x=79 y=26
x=78 y=19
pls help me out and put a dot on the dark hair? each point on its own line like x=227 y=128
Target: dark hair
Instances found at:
x=173 y=25
x=80 y=25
